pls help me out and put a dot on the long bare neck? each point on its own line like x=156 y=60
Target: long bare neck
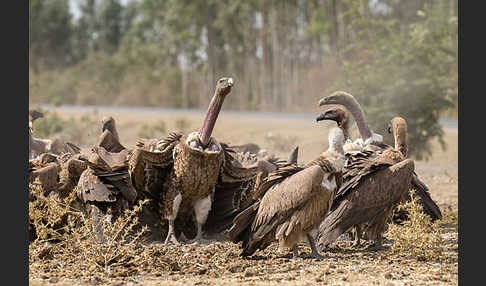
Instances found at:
x=211 y=117
x=355 y=108
x=345 y=128
x=115 y=133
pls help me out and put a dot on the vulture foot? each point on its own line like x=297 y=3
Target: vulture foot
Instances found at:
x=171 y=235
x=171 y=238
x=377 y=245
x=198 y=241
x=314 y=253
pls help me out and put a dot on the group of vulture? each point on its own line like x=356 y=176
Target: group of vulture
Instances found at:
x=201 y=190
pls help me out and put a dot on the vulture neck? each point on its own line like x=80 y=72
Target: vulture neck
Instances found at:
x=355 y=108
x=114 y=132
x=345 y=128
x=211 y=117
x=400 y=137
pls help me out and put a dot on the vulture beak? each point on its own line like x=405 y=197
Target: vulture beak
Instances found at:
x=105 y=126
x=323 y=116
x=389 y=128
x=327 y=100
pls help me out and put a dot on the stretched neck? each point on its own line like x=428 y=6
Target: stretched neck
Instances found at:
x=345 y=128
x=211 y=117
x=115 y=133
x=353 y=106
x=401 y=142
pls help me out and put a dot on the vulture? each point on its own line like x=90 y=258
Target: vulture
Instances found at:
x=294 y=205
x=104 y=187
x=38 y=146
x=109 y=138
x=188 y=174
x=372 y=142
x=372 y=187
x=59 y=173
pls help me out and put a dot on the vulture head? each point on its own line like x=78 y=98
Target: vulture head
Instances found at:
x=33 y=115
x=347 y=100
x=398 y=127
x=193 y=141
x=108 y=123
x=339 y=114
x=223 y=88
x=336 y=113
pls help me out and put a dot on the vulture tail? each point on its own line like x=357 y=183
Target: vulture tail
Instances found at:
x=428 y=205
x=241 y=228
x=225 y=207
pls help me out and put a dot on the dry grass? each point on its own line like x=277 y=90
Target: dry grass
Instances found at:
x=418 y=237
x=78 y=259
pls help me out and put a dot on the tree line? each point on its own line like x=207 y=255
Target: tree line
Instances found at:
x=398 y=57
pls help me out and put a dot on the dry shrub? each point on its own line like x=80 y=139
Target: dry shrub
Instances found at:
x=418 y=237
x=67 y=244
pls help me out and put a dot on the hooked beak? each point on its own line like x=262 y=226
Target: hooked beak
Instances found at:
x=322 y=116
x=324 y=101
x=105 y=126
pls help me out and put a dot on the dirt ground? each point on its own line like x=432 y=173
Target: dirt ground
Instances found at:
x=218 y=263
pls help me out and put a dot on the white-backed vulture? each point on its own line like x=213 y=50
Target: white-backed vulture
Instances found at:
x=182 y=172
x=367 y=198
x=372 y=143
x=293 y=206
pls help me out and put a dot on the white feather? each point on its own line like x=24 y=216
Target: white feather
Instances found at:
x=175 y=206
x=202 y=208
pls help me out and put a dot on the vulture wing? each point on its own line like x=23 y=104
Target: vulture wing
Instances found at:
x=232 y=192
x=360 y=165
x=150 y=163
x=108 y=141
x=281 y=207
x=92 y=189
x=378 y=189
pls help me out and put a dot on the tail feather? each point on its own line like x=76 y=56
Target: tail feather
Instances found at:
x=240 y=229
x=225 y=207
x=429 y=206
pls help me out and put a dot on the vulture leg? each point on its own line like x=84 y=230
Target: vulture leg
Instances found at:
x=315 y=253
x=294 y=252
x=357 y=233
x=175 y=209
x=201 y=208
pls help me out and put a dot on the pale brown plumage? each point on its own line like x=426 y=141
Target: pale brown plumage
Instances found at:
x=368 y=147
x=56 y=172
x=367 y=199
x=182 y=172
x=109 y=138
x=293 y=206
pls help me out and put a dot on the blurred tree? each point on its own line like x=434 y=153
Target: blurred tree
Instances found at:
x=399 y=57
x=50 y=34
x=408 y=72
